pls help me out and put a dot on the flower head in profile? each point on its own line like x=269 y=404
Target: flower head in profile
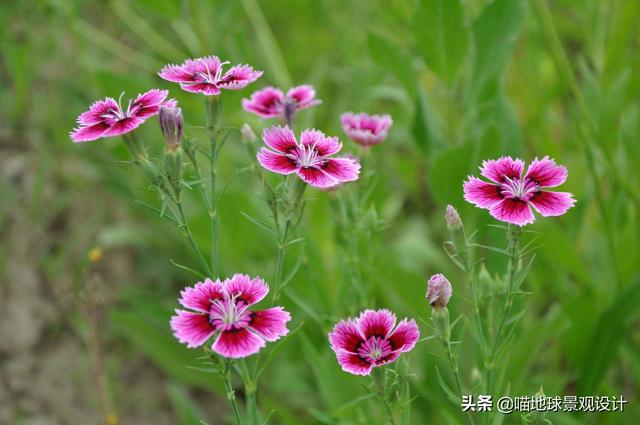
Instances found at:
x=205 y=75
x=438 y=291
x=107 y=118
x=222 y=309
x=311 y=159
x=372 y=340
x=365 y=129
x=271 y=102
x=509 y=196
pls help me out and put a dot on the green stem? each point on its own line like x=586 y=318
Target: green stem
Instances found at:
x=381 y=392
x=226 y=372
x=212 y=121
x=185 y=226
x=456 y=374
x=513 y=234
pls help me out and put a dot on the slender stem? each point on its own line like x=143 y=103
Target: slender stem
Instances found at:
x=456 y=374
x=231 y=394
x=513 y=234
x=185 y=226
x=380 y=392
x=252 y=407
x=279 y=265
x=212 y=121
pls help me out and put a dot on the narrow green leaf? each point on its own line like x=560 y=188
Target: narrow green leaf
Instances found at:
x=495 y=32
x=606 y=338
x=394 y=59
x=442 y=38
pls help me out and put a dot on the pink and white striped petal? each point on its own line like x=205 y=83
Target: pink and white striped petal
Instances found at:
x=237 y=343
x=96 y=112
x=190 y=328
x=270 y=324
x=551 y=204
x=353 y=363
x=88 y=134
x=243 y=288
x=345 y=336
x=304 y=96
x=200 y=296
x=323 y=144
x=238 y=77
x=378 y=323
x=264 y=103
x=342 y=169
x=405 y=336
x=280 y=139
x=497 y=169
x=276 y=162
x=513 y=211
x=546 y=173
x=481 y=193
x=316 y=177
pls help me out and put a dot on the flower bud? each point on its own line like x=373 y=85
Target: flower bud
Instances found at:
x=438 y=291
x=173 y=166
x=172 y=126
x=453 y=218
x=246 y=133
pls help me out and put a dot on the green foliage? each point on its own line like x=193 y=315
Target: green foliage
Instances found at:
x=463 y=80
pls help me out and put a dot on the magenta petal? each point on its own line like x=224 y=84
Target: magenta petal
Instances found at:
x=276 y=162
x=480 y=193
x=241 y=287
x=405 y=336
x=237 y=343
x=176 y=74
x=304 y=96
x=153 y=97
x=192 y=329
x=204 y=88
x=264 y=103
x=316 y=177
x=345 y=336
x=497 y=169
x=123 y=126
x=353 y=363
x=200 y=296
x=552 y=203
x=238 y=77
x=376 y=323
x=95 y=114
x=513 y=211
x=88 y=134
x=546 y=173
x=270 y=324
x=324 y=145
x=342 y=169
x=280 y=139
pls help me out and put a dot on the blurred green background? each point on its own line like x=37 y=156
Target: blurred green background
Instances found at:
x=87 y=287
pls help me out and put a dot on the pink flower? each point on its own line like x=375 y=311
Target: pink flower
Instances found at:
x=310 y=158
x=270 y=102
x=371 y=340
x=107 y=118
x=204 y=75
x=509 y=197
x=221 y=308
x=365 y=129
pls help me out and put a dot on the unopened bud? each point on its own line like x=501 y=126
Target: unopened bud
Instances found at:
x=438 y=291
x=173 y=167
x=247 y=134
x=453 y=218
x=172 y=126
